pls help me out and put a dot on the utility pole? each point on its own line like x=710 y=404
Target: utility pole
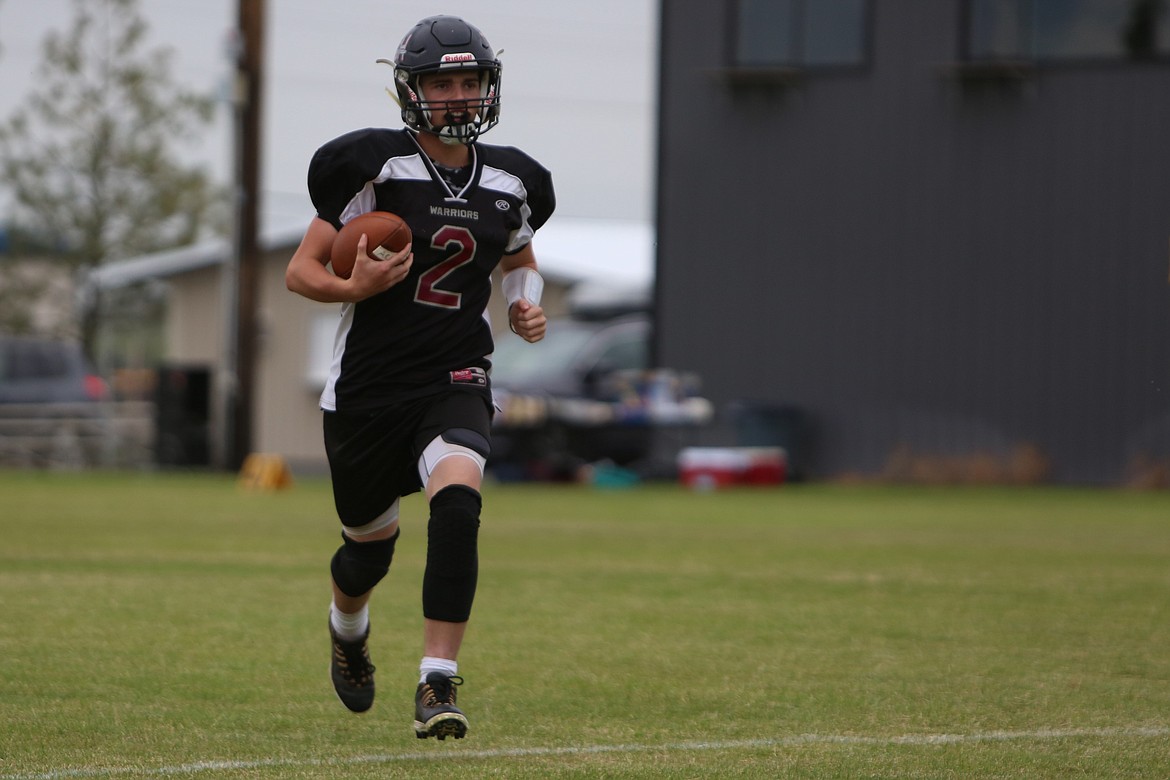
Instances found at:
x=244 y=275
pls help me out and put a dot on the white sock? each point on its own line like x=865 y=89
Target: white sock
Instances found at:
x=349 y=627
x=430 y=664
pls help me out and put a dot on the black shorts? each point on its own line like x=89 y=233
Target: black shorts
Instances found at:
x=373 y=455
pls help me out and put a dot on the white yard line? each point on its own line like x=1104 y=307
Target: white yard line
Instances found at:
x=1042 y=735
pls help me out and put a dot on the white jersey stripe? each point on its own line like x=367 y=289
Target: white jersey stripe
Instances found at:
x=502 y=181
x=329 y=394
x=409 y=166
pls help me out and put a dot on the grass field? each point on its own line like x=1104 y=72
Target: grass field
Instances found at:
x=174 y=626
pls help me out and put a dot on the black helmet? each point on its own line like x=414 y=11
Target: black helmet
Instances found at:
x=444 y=43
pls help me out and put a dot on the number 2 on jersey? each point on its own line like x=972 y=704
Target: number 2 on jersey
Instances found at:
x=459 y=242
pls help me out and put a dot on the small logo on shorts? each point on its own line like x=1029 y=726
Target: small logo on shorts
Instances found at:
x=469 y=376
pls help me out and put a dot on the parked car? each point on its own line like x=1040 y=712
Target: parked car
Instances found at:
x=573 y=359
x=553 y=393
x=43 y=371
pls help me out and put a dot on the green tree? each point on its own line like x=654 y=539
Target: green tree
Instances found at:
x=88 y=158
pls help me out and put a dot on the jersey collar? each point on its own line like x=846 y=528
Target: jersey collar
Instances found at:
x=438 y=178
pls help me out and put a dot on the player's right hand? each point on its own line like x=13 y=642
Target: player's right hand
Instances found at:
x=371 y=276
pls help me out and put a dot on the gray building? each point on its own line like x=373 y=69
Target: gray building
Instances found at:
x=938 y=230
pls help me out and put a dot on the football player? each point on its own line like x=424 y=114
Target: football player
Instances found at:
x=408 y=405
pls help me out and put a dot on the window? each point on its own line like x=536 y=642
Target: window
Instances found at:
x=1067 y=29
x=628 y=352
x=799 y=33
x=38 y=360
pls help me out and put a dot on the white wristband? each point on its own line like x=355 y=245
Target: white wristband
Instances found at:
x=526 y=283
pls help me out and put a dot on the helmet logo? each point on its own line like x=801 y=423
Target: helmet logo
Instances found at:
x=405 y=42
x=465 y=56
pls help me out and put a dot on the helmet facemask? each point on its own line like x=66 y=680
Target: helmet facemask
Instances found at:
x=418 y=112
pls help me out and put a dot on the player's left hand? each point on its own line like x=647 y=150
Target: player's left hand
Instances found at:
x=527 y=320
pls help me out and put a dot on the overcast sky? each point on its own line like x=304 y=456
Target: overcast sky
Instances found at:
x=578 y=85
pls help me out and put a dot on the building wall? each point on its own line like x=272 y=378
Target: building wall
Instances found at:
x=924 y=266
x=195 y=318
x=286 y=411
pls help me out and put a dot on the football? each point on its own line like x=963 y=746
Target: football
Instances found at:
x=386 y=234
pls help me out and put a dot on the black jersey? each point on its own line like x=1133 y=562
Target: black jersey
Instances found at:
x=408 y=340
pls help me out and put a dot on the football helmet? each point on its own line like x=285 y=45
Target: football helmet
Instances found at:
x=440 y=44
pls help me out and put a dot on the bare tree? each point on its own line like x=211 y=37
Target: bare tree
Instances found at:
x=89 y=157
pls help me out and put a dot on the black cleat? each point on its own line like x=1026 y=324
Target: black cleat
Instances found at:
x=352 y=672
x=435 y=713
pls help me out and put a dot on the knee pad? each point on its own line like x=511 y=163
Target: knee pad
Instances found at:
x=358 y=566
x=452 y=554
